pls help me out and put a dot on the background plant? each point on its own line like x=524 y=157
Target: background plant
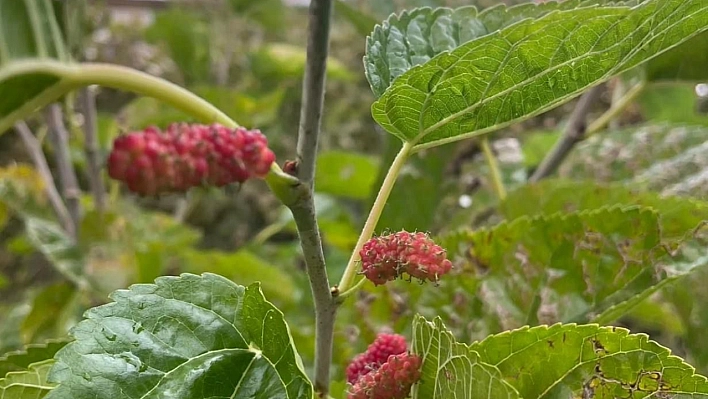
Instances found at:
x=631 y=202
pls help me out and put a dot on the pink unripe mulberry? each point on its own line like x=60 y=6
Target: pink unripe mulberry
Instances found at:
x=376 y=354
x=188 y=155
x=393 y=380
x=387 y=257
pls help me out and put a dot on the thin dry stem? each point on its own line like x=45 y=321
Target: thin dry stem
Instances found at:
x=69 y=186
x=87 y=100
x=34 y=149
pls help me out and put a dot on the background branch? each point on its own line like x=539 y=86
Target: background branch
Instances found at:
x=87 y=100
x=617 y=107
x=69 y=186
x=34 y=149
x=574 y=133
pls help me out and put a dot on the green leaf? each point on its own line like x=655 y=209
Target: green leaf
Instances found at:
x=29 y=384
x=569 y=267
x=346 y=174
x=688 y=62
x=563 y=361
x=677 y=215
x=529 y=67
x=415 y=37
x=192 y=336
x=450 y=369
x=21 y=359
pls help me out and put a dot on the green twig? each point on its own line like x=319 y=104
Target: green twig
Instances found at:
x=352 y=290
x=616 y=109
x=494 y=173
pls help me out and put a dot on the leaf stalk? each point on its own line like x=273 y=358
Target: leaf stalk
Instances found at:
x=374 y=215
x=494 y=172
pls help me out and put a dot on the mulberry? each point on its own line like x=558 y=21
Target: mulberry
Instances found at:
x=393 y=380
x=386 y=258
x=376 y=354
x=183 y=156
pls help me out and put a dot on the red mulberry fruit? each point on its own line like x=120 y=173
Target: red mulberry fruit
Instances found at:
x=183 y=156
x=386 y=258
x=376 y=354
x=393 y=380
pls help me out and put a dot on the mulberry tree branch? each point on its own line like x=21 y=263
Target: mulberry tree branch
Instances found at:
x=303 y=206
x=574 y=133
x=87 y=99
x=69 y=186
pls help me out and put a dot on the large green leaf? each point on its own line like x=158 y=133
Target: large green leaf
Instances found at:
x=677 y=215
x=21 y=359
x=563 y=361
x=564 y=267
x=189 y=337
x=29 y=384
x=529 y=67
x=450 y=369
x=414 y=37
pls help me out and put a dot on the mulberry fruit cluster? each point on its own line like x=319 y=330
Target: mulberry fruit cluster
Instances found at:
x=184 y=155
x=384 y=371
x=376 y=354
x=387 y=257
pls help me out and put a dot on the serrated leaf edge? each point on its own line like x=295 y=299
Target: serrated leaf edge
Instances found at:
x=564 y=327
